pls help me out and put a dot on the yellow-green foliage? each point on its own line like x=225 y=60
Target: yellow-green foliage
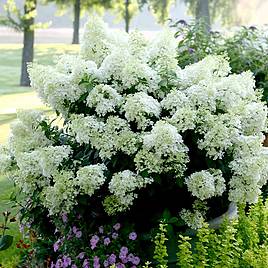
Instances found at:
x=160 y=252
x=241 y=243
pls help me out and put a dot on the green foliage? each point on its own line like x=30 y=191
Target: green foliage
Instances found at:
x=6 y=240
x=247 y=50
x=195 y=43
x=86 y=5
x=184 y=256
x=19 y=21
x=159 y=8
x=241 y=243
x=160 y=252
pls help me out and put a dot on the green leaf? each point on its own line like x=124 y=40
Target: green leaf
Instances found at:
x=173 y=220
x=13 y=196
x=166 y=215
x=5 y=242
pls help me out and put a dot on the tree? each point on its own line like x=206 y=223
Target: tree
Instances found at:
x=126 y=10
x=210 y=10
x=80 y=6
x=23 y=22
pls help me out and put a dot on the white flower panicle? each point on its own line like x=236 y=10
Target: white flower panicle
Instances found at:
x=163 y=150
x=140 y=107
x=5 y=159
x=194 y=219
x=90 y=178
x=86 y=129
x=104 y=99
x=205 y=70
x=61 y=197
x=124 y=184
x=26 y=132
x=43 y=161
x=96 y=40
x=206 y=184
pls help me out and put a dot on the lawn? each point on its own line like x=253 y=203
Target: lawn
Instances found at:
x=13 y=97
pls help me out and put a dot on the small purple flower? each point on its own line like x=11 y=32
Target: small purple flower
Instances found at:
x=96 y=263
x=58 y=263
x=22 y=226
x=124 y=250
x=66 y=261
x=136 y=261
x=120 y=265
x=117 y=226
x=64 y=217
x=69 y=236
x=191 y=50
x=78 y=234
x=124 y=260
x=130 y=257
x=106 y=241
x=86 y=263
x=123 y=253
x=112 y=259
x=75 y=229
x=114 y=235
x=56 y=246
x=132 y=236
x=94 y=241
x=106 y=263
x=74 y=266
x=101 y=230
x=81 y=255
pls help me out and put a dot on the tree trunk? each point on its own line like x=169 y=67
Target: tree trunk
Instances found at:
x=76 y=22
x=127 y=17
x=28 y=45
x=202 y=12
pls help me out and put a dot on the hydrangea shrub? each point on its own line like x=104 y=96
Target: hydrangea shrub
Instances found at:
x=140 y=135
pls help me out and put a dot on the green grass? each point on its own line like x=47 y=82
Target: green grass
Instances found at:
x=10 y=61
x=13 y=97
x=10 y=257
